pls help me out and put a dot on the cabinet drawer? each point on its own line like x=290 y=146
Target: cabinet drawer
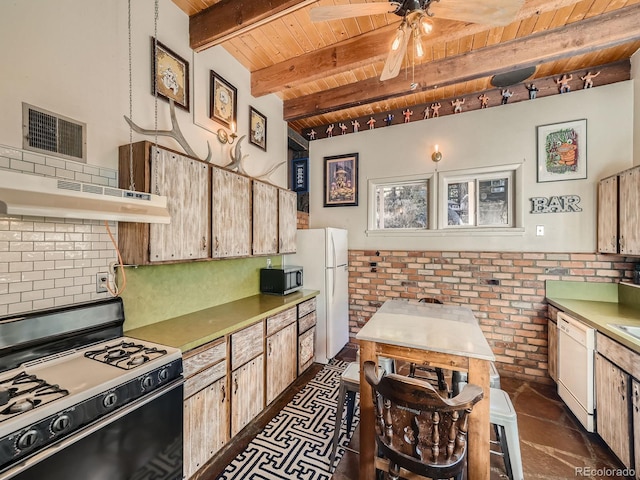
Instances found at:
x=281 y=320
x=204 y=379
x=246 y=344
x=626 y=359
x=307 y=307
x=306 y=322
x=204 y=356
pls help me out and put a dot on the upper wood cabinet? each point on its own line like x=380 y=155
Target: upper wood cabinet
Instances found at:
x=231 y=214
x=265 y=218
x=619 y=213
x=287 y=220
x=186 y=184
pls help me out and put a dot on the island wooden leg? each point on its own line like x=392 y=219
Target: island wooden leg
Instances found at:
x=478 y=466
x=367 y=416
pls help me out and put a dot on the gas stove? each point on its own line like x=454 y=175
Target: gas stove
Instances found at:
x=48 y=398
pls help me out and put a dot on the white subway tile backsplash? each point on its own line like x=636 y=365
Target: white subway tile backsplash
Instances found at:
x=33 y=236
x=41 y=304
x=45 y=170
x=21 y=166
x=44 y=246
x=53 y=274
x=9 y=298
x=44 y=284
x=20 y=307
x=35 y=275
x=18 y=287
x=33 y=158
x=5 y=162
x=32 y=256
x=61 y=301
x=21 y=267
x=55 y=162
x=9 y=236
x=20 y=246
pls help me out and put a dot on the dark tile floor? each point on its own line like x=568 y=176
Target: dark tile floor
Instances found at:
x=553 y=444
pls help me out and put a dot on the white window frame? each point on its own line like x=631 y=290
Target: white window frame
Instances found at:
x=512 y=172
x=375 y=183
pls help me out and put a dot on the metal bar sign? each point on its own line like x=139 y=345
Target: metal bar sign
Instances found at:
x=556 y=204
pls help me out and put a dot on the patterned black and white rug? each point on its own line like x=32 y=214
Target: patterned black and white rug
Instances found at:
x=296 y=444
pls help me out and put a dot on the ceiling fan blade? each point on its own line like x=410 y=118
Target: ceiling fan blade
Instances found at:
x=335 y=12
x=490 y=12
x=393 y=63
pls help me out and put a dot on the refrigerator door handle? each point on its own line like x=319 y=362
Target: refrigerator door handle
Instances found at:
x=333 y=250
x=333 y=283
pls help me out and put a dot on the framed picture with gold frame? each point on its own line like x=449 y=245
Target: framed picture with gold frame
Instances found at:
x=257 y=129
x=341 y=180
x=224 y=101
x=169 y=75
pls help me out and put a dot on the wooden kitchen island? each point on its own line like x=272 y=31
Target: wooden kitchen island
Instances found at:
x=434 y=335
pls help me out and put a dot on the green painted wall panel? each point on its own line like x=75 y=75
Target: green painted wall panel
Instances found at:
x=159 y=292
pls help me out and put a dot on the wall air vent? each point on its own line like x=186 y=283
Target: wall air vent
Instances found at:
x=48 y=132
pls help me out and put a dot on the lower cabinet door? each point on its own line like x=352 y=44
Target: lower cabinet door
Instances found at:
x=635 y=397
x=306 y=349
x=205 y=425
x=247 y=393
x=613 y=408
x=281 y=361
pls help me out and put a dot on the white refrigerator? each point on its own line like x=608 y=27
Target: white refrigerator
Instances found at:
x=323 y=254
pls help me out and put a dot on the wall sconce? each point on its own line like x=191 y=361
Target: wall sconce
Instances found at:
x=436 y=156
x=223 y=136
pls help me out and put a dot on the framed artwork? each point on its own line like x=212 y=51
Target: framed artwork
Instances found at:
x=257 y=128
x=341 y=180
x=562 y=151
x=224 y=101
x=300 y=175
x=169 y=75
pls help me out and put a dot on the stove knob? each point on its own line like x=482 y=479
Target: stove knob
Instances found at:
x=163 y=374
x=60 y=424
x=110 y=400
x=147 y=382
x=28 y=439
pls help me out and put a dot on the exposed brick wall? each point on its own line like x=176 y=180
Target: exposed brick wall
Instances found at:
x=303 y=220
x=506 y=292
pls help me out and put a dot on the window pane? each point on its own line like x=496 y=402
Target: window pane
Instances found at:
x=461 y=200
x=401 y=206
x=493 y=202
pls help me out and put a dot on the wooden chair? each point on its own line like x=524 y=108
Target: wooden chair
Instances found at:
x=417 y=430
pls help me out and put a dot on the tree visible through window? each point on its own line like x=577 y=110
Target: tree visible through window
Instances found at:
x=401 y=205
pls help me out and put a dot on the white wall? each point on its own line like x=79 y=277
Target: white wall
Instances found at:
x=499 y=135
x=635 y=76
x=71 y=57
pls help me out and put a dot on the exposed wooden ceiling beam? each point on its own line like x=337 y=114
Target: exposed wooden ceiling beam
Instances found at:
x=368 y=48
x=603 y=31
x=229 y=18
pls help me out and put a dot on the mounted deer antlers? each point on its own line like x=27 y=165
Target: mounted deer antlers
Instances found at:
x=237 y=162
x=174 y=133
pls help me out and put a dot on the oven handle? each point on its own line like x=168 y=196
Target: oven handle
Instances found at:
x=89 y=429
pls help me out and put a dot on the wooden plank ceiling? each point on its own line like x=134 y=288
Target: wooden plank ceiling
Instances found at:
x=327 y=72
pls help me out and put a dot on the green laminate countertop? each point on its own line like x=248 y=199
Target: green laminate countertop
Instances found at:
x=600 y=314
x=195 y=329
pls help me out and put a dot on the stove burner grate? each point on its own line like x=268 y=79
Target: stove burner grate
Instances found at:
x=24 y=392
x=125 y=355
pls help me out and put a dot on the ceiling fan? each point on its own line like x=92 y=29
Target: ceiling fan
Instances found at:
x=416 y=20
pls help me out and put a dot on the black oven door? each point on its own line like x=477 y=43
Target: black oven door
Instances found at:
x=141 y=441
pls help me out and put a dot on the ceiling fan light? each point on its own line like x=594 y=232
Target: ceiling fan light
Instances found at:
x=426 y=25
x=419 y=49
x=398 y=40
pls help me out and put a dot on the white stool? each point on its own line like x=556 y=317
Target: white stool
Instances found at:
x=503 y=417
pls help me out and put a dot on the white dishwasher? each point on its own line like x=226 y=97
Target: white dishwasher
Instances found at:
x=576 y=345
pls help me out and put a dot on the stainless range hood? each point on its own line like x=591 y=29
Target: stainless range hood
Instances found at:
x=25 y=194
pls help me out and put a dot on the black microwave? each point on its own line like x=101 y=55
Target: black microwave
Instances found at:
x=280 y=280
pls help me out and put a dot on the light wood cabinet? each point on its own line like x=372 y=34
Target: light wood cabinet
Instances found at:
x=629 y=211
x=282 y=368
x=247 y=393
x=608 y=215
x=287 y=220
x=635 y=402
x=186 y=184
x=231 y=214
x=265 y=218
x=307 y=320
x=619 y=213
x=613 y=408
x=205 y=425
x=206 y=405
x=552 y=350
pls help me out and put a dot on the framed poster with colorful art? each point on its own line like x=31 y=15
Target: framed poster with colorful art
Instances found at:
x=341 y=180
x=562 y=151
x=170 y=75
x=224 y=101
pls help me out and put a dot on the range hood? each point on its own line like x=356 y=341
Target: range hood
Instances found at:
x=25 y=194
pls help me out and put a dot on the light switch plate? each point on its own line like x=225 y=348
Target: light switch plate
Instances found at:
x=539 y=230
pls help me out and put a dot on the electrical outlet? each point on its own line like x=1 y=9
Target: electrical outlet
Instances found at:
x=101 y=282
x=540 y=230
